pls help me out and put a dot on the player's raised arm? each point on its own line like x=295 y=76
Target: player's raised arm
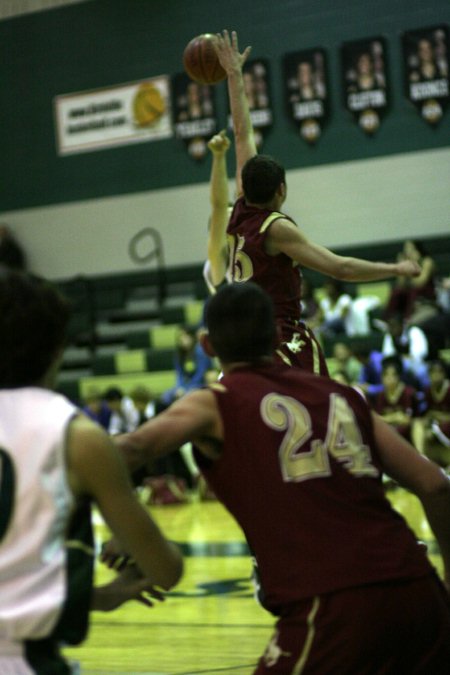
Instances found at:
x=96 y=469
x=285 y=237
x=232 y=60
x=219 y=198
x=421 y=476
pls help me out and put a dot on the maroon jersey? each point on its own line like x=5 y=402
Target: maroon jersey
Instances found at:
x=439 y=401
x=404 y=401
x=277 y=275
x=300 y=472
x=280 y=277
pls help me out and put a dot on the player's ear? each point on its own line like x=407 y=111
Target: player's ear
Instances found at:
x=206 y=343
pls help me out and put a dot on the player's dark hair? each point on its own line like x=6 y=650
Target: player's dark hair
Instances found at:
x=261 y=177
x=33 y=323
x=241 y=324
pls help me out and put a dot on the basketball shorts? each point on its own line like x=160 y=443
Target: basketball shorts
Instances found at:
x=395 y=628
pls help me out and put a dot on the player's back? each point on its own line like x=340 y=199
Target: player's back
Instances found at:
x=277 y=275
x=36 y=505
x=301 y=474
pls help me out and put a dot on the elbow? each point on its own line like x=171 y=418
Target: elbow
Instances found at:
x=343 y=270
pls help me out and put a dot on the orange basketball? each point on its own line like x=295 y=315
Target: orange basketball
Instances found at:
x=200 y=60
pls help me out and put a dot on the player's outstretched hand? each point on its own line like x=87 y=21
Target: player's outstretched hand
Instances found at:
x=227 y=50
x=128 y=585
x=219 y=143
x=408 y=268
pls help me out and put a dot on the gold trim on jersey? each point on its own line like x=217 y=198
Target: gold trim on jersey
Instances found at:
x=269 y=220
x=299 y=666
x=76 y=543
x=283 y=357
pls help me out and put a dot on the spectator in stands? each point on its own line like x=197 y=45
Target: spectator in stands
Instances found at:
x=310 y=308
x=140 y=406
x=431 y=432
x=96 y=408
x=437 y=327
x=397 y=402
x=345 y=362
x=11 y=253
x=409 y=295
x=335 y=307
x=120 y=421
x=410 y=344
x=191 y=364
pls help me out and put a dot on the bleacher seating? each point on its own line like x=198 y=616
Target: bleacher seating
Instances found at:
x=124 y=325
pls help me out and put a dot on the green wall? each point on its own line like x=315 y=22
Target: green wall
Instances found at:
x=106 y=42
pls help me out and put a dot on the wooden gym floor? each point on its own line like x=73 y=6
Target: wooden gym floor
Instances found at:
x=210 y=623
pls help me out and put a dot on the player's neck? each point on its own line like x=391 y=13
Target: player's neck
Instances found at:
x=236 y=365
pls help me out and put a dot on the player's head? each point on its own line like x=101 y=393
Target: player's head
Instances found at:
x=33 y=322
x=263 y=178
x=240 y=323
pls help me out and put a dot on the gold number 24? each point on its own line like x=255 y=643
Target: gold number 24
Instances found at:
x=343 y=439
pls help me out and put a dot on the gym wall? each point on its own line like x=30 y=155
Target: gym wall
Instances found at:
x=76 y=213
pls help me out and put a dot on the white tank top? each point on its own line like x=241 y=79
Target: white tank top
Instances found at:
x=33 y=426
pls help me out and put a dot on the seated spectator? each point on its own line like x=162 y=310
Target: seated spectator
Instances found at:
x=191 y=364
x=437 y=327
x=410 y=344
x=121 y=420
x=431 y=432
x=409 y=295
x=335 y=308
x=310 y=308
x=396 y=403
x=345 y=362
x=139 y=406
x=95 y=407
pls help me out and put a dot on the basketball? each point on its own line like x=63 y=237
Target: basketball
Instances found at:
x=200 y=60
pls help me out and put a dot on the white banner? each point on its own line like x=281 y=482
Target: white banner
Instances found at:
x=102 y=118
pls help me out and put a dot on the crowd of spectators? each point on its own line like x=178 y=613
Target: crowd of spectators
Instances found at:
x=394 y=352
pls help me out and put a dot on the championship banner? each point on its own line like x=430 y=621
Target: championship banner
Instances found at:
x=103 y=118
x=306 y=88
x=194 y=114
x=365 y=81
x=256 y=84
x=425 y=54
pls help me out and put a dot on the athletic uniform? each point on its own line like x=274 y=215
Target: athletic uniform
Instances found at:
x=404 y=400
x=439 y=402
x=46 y=545
x=280 y=277
x=300 y=472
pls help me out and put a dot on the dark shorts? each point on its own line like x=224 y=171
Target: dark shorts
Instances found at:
x=299 y=348
x=396 y=628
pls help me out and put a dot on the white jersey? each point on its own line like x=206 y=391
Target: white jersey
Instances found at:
x=35 y=506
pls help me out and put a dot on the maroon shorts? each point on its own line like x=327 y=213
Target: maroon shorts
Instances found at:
x=299 y=348
x=395 y=628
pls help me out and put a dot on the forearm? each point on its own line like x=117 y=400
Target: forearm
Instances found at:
x=245 y=144
x=357 y=269
x=437 y=510
x=217 y=242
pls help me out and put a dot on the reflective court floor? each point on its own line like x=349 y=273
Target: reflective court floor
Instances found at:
x=210 y=623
